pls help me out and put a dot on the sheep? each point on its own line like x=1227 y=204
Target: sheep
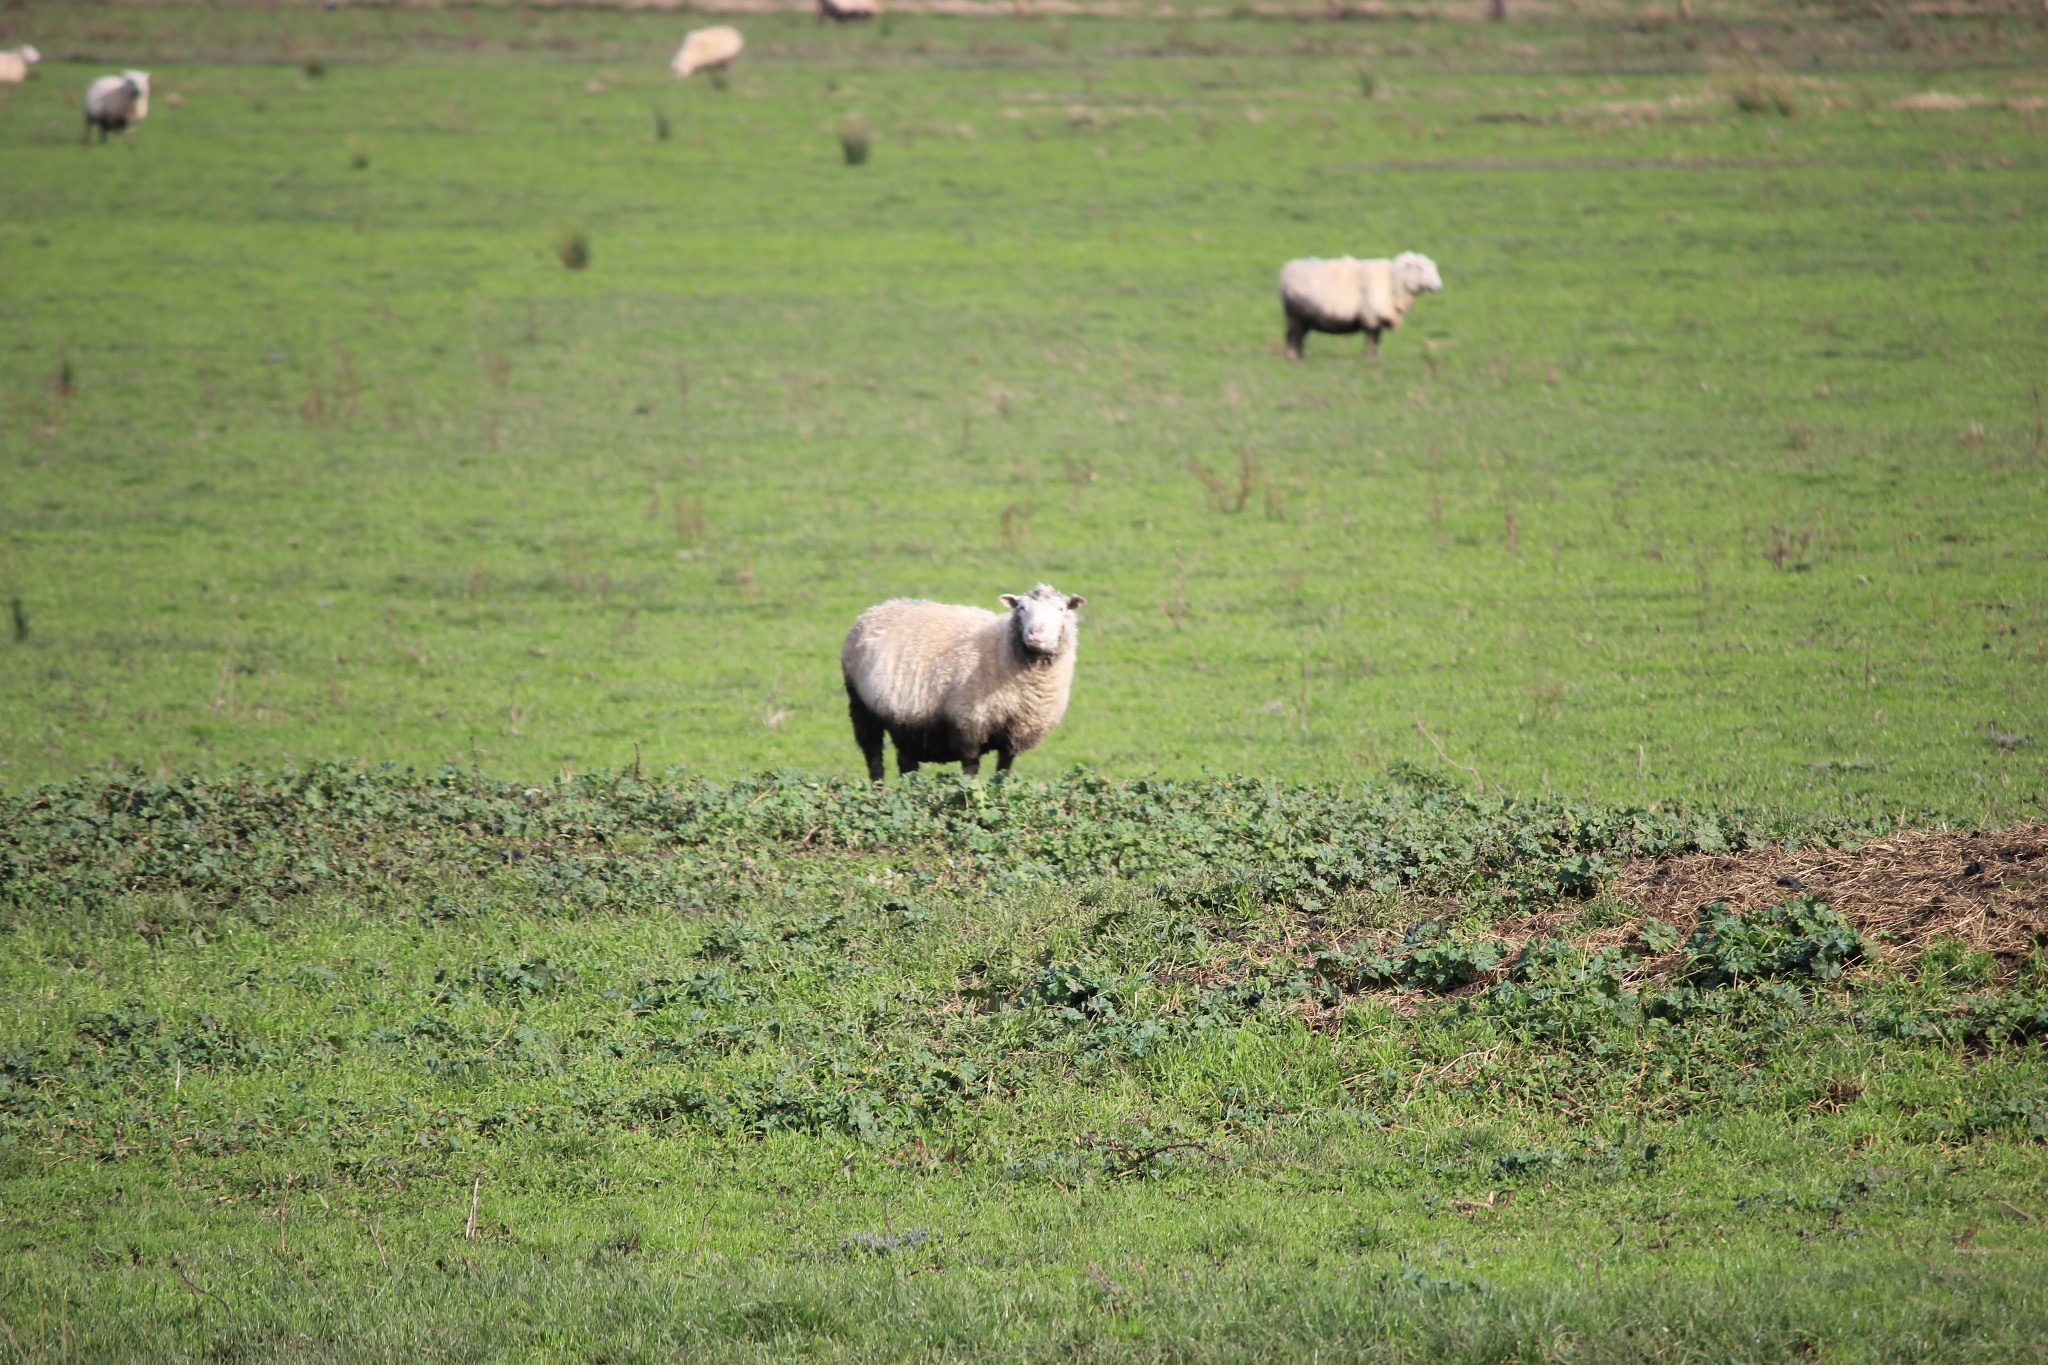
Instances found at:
x=1347 y=295
x=707 y=49
x=14 y=65
x=847 y=11
x=950 y=683
x=114 y=103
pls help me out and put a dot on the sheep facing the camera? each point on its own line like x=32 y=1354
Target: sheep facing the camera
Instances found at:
x=1348 y=295
x=14 y=65
x=707 y=49
x=847 y=11
x=948 y=684
x=115 y=104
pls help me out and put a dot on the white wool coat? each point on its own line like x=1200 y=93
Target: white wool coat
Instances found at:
x=1345 y=292
x=118 y=101
x=707 y=49
x=917 y=664
x=14 y=65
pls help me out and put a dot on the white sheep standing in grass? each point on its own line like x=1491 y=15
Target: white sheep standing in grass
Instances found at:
x=1349 y=295
x=847 y=11
x=14 y=65
x=116 y=103
x=948 y=684
x=707 y=49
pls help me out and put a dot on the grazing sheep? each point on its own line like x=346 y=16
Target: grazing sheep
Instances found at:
x=847 y=11
x=949 y=683
x=707 y=49
x=115 y=103
x=14 y=65
x=1347 y=295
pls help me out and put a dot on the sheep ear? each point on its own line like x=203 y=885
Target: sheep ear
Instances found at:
x=1009 y=599
x=1075 y=603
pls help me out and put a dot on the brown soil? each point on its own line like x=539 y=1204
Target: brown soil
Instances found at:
x=1902 y=891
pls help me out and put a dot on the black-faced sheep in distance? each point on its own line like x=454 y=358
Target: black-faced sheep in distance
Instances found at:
x=115 y=103
x=1348 y=295
x=948 y=684
x=847 y=11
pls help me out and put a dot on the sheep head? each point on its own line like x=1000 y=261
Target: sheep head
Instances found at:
x=1043 y=620
x=1417 y=274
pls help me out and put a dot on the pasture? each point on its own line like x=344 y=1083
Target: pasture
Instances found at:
x=1716 y=469
x=449 y=387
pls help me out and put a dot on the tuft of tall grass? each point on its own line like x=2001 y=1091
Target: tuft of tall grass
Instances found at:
x=1176 y=606
x=1759 y=94
x=689 y=520
x=1228 y=497
x=573 y=246
x=854 y=139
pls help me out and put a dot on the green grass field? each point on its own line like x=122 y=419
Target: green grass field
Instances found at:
x=1710 y=493
x=1716 y=468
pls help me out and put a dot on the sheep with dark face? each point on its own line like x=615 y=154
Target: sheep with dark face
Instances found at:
x=948 y=684
x=1348 y=295
x=116 y=104
x=847 y=11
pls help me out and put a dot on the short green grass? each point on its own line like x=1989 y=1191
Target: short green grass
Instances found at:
x=1711 y=491
x=1717 y=468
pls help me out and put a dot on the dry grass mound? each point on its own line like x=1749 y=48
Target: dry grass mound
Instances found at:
x=1989 y=890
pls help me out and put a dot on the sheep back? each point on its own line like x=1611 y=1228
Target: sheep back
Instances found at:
x=708 y=49
x=1322 y=292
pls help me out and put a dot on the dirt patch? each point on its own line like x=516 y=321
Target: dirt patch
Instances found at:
x=1901 y=892
x=1990 y=890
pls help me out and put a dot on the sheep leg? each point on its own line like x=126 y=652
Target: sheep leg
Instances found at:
x=867 y=731
x=913 y=747
x=1004 y=758
x=1372 y=341
x=1297 y=330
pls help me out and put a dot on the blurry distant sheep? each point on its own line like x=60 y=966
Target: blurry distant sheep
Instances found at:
x=846 y=11
x=707 y=49
x=14 y=65
x=115 y=103
x=948 y=684
x=1347 y=295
